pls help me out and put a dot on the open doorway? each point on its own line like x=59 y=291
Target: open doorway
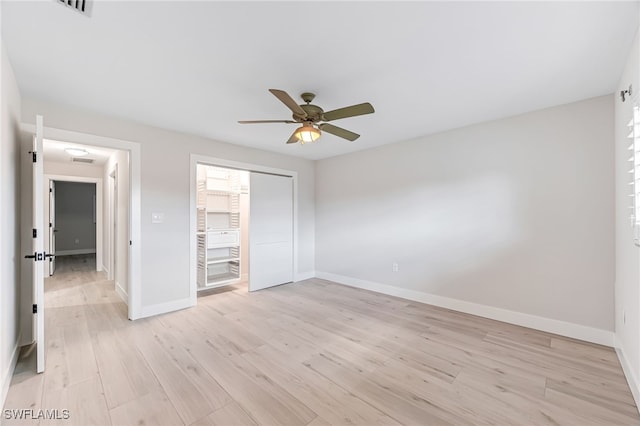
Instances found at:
x=73 y=222
x=244 y=226
x=222 y=226
x=86 y=213
x=117 y=228
x=34 y=305
x=72 y=217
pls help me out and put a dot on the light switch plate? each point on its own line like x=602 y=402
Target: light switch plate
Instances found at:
x=157 y=217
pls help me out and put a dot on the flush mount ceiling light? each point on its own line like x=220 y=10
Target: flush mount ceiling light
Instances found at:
x=76 y=152
x=306 y=133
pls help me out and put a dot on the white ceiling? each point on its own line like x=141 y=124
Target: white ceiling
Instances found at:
x=198 y=67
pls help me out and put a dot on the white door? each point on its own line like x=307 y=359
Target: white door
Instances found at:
x=52 y=226
x=270 y=231
x=38 y=255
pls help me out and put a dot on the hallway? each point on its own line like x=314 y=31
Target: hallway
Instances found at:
x=79 y=304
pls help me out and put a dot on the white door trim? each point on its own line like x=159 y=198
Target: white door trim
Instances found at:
x=213 y=161
x=135 y=218
x=99 y=222
x=112 y=178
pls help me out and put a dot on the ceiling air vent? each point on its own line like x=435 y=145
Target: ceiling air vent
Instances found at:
x=82 y=6
x=82 y=160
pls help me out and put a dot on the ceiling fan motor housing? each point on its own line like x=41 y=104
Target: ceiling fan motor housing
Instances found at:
x=314 y=113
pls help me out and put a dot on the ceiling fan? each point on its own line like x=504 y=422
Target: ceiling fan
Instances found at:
x=314 y=119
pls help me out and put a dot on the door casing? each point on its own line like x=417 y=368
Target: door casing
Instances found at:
x=135 y=205
x=99 y=202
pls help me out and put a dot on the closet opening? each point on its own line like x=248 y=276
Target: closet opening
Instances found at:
x=243 y=226
x=222 y=221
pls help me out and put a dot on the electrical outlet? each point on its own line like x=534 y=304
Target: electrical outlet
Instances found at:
x=394 y=267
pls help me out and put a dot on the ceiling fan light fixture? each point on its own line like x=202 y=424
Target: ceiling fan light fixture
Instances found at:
x=76 y=152
x=307 y=133
x=314 y=120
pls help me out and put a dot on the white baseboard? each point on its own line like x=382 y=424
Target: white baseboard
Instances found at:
x=8 y=373
x=123 y=294
x=72 y=252
x=629 y=372
x=563 y=328
x=163 y=308
x=301 y=276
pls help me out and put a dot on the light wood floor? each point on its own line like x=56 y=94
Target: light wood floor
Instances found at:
x=313 y=353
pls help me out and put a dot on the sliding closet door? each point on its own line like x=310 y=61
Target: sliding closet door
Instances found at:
x=270 y=231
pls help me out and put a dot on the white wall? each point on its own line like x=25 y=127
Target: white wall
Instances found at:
x=72 y=169
x=119 y=161
x=75 y=218
x=515 y=214
x=10 y=254
x=627 y=294
x=165 y=188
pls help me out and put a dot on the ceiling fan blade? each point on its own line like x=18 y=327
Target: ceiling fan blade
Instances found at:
x=339 y=131
x=293 y=138
x=265 y=121
x=350 y=111
x=288 y=101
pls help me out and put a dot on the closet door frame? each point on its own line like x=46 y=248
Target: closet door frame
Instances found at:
x=249 y=167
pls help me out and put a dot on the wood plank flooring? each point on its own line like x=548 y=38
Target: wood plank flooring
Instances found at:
x=313 y=353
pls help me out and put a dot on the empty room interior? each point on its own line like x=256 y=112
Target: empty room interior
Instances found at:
x=319 y=213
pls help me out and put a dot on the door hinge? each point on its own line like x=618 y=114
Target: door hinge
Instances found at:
x=35 y=156
x=35 y=233
x=35 y=308
x=50 y=190
x=50 y=225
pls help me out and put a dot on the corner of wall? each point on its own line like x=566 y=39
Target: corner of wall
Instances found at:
x=301 y=276
x=7 y=374
x=10 y=259
x=122 y=293
x=627 y=255
x=629 y=372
